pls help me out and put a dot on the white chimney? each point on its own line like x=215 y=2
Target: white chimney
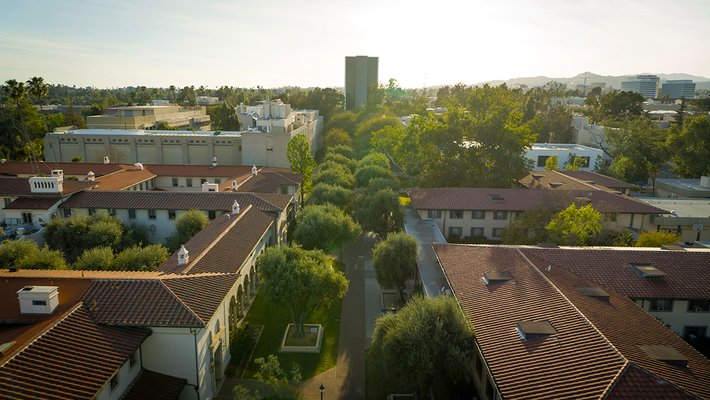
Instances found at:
x=38 y=299
x=91 y=176
x=139 y=166
x=183 y=255
x=235 y=208
x=59 y=173
x=214 y=161
x=254 y=171
x=106 y=160
x=46 y=184
x=210 y=187
x=235 y=186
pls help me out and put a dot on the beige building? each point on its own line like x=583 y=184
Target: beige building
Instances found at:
x=147 y=117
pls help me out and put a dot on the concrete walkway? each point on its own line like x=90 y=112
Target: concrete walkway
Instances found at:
x=426 y=232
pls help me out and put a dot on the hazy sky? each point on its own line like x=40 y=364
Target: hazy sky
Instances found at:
x=109 y=43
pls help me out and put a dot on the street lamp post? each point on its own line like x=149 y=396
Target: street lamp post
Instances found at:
x=321 y=388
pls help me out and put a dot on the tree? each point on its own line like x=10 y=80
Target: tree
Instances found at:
x=395 y=262
x=12 y=251
x=187 y=225
x=428 y=341
x=375 y=159
x=551 y=163
x=98 y=258
x=299 y=279
x=38 y=89
x=300 y=159
x=335 y=137
x=346 y=151
x=336 y=177
x=574 y=163
x=140 y=258
x=656 y=239
x=105 y=233
x=338 y=158
x=16 y=91
x=690 y=147
x=380 y=212
x=345 y=120
x=43 y=259
x=338 y=196
x=364 y=130
x=324 y=227
x=366 y=173
x=575 y=226
x=638 y=148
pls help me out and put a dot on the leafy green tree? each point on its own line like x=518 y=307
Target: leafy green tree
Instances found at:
x=428 y=342
x=324 y=227
x=43 y=259
x=551 y=163
x=366 y=173
x=338 y=196
x=12 y=251
x=140 y=258
x=97 y=258
x=224 y=117
x=656 y=239
x=574 y=163
x=338 y=158
x=613 y=105
x=380 y=212
x=335 y=137
x=575 y=226
x=300 y=159
x=375 y=159
x=187 y=225
x=345 y=120
x=638 y=148
x=336 y=177
x=299 y=279
x=346 y=151
x=690 y=147
x=377 y=184
x=395 y=262
x=388 y=139
x=364 y=130
x=104 y=233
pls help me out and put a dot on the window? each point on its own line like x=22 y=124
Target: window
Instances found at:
x=497 y=232
x=67 y=212
x=698 y=305
x=476 y=231
x=434 y=213
x=26 y=218
x=202 y=180
x=478 y=214
x=692 y=333
x=283 y=189
x=7 y=201
x=112 y=211
x=541 y=160
x=662 y=305
x=113 y=383
x=217 y=180
x=611 y=217
x=92 y=211
x=211 y=214
x=171 y=214
x=131 y=213
x=39 y=302
x=175 y=182
x=151 y=214
x=189 y=182
x=455 y=214
x=500 y=215
x=455 y=230
x=132 y=359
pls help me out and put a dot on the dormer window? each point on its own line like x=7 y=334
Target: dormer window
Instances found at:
x=496 y=277
x=535 y=329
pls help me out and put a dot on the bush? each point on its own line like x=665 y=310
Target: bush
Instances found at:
x=140 y=258
x=43 y=259
x=12 y=251
x=98 y=258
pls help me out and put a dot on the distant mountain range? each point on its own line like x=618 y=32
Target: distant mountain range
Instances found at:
x=613 y=82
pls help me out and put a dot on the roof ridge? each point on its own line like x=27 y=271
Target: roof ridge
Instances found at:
x=182 y=303
x=58 y=320
x=258 y=196
x=217 y=239
x=579 y=181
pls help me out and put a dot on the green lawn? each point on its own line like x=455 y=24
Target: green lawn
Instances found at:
x=276 y=318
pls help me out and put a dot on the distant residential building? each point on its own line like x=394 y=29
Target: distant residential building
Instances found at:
x=587 y=134
x=645 y=85
x=575 y=180
x=360 y=80
x=147 y=117
x=679 y=88
x=679 y=187
x=207 y=100
x=689 y=218
x=540 y=152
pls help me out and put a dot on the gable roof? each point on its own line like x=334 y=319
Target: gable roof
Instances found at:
x=16 y=168
x=573 y=180
x=599 y=179
x=41 y=202
x=268 y=180
x=205 y=171
x=14 y=187
x=154 y=386
x=72 y=360
x=192 y=291
x=212 y=201
x=522 y=200
x=637 y=383
x=123 y=179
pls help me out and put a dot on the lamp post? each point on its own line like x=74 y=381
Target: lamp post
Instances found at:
x=321 y=389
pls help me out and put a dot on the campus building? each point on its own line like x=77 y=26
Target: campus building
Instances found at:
x=678 y=88
x=645 y=85
x=360 y=80
x=540 y=152
x=148 y=117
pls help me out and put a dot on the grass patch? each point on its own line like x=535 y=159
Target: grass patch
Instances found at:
x=405 y=201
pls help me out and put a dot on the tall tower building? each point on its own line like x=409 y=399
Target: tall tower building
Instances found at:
x=675 y=89
x=360 y=78
x=645 y=85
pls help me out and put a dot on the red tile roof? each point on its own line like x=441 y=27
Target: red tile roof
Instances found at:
x=42 y=202
x=268 y=180
x=175 y=200
x=74 y=359
x=192 y=289
x=13 y=187
x=599 y=179
x=123 y=179
x=204 y=171
x=520 y=200
x=638 y=384
x=572 y=180
x=75 y=169
x=155 y=386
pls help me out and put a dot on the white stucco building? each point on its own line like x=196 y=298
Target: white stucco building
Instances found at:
x=540 y=152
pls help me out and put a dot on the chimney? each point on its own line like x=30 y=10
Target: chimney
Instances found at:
x=38 y=299
x=235 y=186
x=183 y=255
x=58 y=173
x=106 y=160
x=139 y=166
x=91 y=176
x=254 y=171
x=214 y=161
x=235 y=208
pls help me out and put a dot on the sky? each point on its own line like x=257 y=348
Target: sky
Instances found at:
x=274 y=43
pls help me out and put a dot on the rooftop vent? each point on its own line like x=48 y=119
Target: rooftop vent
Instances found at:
x=583 y=199
x=595 y=292
x=647 y=271
x=38 y=299
x=106 y=160
x=235 y=186
x=537 y=177
x=139 y=166
x=555 y=185
x=46 y=184
x=496 y=277
x=667 y=354
x=183 y=255
x=534 y=329
x=254 y=170
x=214 y=161
x=590 y=182
x=496 y=197
x=59 y=173
x=235 y=208
x=91 y=176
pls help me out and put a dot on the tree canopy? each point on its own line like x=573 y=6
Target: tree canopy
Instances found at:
x=575 y=226
x=300 y=158
x=690 y=147
x=395 y=262
x=187 y=225
x=380 y=212
x=656 y=239
x=324 y=227
x=638 y=148
x=338 y=196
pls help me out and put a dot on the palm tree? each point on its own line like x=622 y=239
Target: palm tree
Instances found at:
x=39 y=89
x=17 y=91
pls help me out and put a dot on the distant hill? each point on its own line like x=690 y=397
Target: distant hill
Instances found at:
x=610 y=81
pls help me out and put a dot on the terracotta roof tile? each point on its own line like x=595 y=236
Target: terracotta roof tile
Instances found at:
x=123 y=179
x=33 y=203
x=599 y=179
x=75 y=169
x=520 y=200
x=12 y=187
x=155 y=386
x=572 y=180
x=268 y=180
x=220 y=171
x=192 y=291
x=638 y=384
x=72 y=360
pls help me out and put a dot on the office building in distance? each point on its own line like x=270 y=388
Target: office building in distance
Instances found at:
x=645 y=85
x=679 y=88
x=360 y=78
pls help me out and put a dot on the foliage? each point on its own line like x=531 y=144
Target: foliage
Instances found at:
x=380 y=212
x=224 y=118
x=574 y=163
x=427 y=342
x=575 y=226
x=106 y=232
x=97 y=258
x=336 y=177
x=187 y=225
x=395 y=262
x=299 y=279
x=366 y=173
x=388 y=139
x=300 y=158
x=613 y=105
x=75 y=234
x=690 y=147
x=140 y=258
x=375 y=159
x=342 y=160
x=377 y=184
x=335 y=137
x=324 y=193
x=656 y=239
x=365 y=129
x=12 y=251
x=324 y=227
x=346 y=151
x=345 y=120
x=551 y=163
x=43 y=259
x=638 y=148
